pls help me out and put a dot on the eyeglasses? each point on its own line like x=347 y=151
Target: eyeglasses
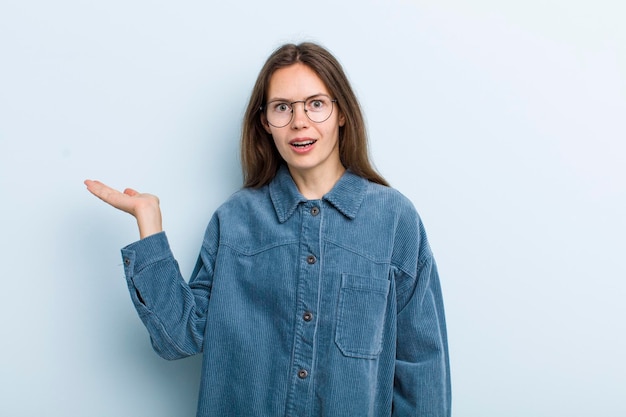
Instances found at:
x=318 y=109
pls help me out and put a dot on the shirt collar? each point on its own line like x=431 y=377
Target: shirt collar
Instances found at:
x=346 y=196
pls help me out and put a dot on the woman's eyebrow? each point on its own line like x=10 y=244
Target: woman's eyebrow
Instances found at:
x=291 y=101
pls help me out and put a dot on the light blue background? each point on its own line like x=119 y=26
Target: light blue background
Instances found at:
x=504 y=122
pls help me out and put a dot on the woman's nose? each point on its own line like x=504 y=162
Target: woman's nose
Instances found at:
x=299 y=118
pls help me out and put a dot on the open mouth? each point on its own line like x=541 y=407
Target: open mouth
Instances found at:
x=303 y=144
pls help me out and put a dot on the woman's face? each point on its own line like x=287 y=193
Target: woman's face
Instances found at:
x=308 y=148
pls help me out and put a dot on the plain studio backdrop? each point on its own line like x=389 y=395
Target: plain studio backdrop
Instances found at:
x=504 y=122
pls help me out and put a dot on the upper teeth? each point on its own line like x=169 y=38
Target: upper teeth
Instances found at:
x=308 y=142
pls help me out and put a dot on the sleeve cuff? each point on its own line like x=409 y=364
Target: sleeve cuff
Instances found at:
x=151 y=249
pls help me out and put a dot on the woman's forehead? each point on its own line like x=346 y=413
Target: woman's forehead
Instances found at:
x=296 y=82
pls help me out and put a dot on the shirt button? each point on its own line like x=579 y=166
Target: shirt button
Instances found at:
x=311 y=259
x=302 y=373
x=315 y=211
x=307 y=316
x=126 y=261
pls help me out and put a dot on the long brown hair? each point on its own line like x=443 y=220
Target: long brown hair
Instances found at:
x=260 y=159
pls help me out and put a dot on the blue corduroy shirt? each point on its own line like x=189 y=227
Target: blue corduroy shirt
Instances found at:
x=327 y=307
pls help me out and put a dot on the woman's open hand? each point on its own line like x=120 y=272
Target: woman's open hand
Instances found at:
x=144 y=207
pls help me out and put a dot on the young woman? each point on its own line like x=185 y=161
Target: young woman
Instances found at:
x=315 y=292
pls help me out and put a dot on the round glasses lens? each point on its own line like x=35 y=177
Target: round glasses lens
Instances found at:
x=319 y=108
x=278 y=113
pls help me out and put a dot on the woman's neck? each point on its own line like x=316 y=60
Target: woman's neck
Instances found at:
x=314 y=184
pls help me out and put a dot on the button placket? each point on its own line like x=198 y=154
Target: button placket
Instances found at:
x=307 y=299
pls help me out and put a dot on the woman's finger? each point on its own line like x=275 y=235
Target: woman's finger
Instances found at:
x=131 y=192
x=109 y=195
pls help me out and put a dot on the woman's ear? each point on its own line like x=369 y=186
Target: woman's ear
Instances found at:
x=266 y=125
x=342 y=119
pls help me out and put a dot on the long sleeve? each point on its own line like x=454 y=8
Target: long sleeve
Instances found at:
x=173 y=311
x=422 y=370
x=422 y=375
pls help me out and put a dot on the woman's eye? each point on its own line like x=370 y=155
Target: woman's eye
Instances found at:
x=317 y=104
x=281 y=107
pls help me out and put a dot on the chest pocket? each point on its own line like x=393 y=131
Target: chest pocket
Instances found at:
x=361 y=315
